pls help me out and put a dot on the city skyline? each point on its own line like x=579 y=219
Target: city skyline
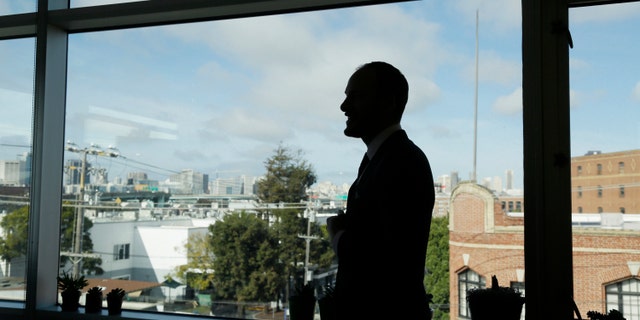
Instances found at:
x=219 y=97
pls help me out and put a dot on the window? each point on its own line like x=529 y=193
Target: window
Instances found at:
x=15 y=162
x=621 y=167
x=602 y=57
x=51 y=130
x=579 y=191
x=579 y=170
x=579 y=209
x=467 y=280
x=520 y=287
x=624 y=296
x=599 y=191
x=121 y=252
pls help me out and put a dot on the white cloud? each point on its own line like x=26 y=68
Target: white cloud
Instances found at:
x=509 y=104
x=604 y=13
x=635 y=93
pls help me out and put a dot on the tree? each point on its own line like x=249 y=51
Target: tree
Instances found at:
x=14 y=244
x=246 y=265
x=67 y=232
x=288 y=177
x=437 y=278
x=198 y=271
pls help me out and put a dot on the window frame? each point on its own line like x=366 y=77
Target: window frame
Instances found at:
x=546 y=138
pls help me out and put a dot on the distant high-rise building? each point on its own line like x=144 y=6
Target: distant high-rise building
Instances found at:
x=496 y=184
x=192 y=182
x=25 y=168
x=74 y=169
x=134 y=177
x=9 y=172
x=455 y=179
x=509 y=179
x=443 y=183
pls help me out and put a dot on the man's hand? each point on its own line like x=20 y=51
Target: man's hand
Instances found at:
x=336 y=224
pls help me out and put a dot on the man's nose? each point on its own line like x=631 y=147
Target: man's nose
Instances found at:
x=344 y=105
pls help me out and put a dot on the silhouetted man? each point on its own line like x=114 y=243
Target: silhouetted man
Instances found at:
x=381 y=241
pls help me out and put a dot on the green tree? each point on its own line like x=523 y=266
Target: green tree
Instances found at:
x=14 y=244
x=67 y=232
x=288 y=177
x=246 y=263
x=198 y=271
x=286 y=181
x=437 y=278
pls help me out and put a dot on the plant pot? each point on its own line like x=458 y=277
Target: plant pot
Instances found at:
x=70 y=300
x=327 y=309
x=114 y=305
x=93 y=303
x=302 y=307
x=491 y=306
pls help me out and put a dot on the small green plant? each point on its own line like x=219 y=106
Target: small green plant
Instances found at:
x=95 y=291
x=67 y=282
x=485 y=303
x=613 y=315
x=116 y=293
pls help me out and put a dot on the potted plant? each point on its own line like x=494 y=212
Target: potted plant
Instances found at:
x=69 y=287
x=489 y=303
x=93 y=300
x=114 y=301
x=302 y=303
x=326 y=303
x=613 y=315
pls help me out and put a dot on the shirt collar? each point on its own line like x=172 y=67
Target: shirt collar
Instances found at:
x=375 y=144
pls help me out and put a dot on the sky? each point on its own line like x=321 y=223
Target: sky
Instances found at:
x=219 y=97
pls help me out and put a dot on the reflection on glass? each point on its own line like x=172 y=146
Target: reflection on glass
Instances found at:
x=8 y=7
x=91 y=3
x=169 y=131
x=16 y=101
x=605 y=100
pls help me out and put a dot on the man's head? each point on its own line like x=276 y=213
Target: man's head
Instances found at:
x=376 y=96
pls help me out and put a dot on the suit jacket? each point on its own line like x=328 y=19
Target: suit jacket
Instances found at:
x=382 y=252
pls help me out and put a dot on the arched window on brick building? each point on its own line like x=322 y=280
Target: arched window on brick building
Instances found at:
x=624 y=296
x=467 y=279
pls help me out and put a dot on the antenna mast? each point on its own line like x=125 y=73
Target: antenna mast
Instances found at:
x=475 y=114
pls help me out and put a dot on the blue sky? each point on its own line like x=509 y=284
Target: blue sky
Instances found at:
x=219 y=97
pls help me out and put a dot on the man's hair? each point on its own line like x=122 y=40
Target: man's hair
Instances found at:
x=390 y=81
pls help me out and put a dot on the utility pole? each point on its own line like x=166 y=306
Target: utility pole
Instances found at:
x=311 y=215
x=76 y=255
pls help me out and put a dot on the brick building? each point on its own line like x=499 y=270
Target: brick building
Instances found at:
x=606 y=182
x=486 y=240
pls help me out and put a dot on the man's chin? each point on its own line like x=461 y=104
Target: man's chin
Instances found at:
x=351 y=133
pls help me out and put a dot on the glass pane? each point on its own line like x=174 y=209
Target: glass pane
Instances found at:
x=16 y=103
x=92 y=3
x=605 y=100
x=9 y=7
x=169 y=130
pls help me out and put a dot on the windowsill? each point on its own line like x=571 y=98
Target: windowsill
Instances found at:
x=15 y=310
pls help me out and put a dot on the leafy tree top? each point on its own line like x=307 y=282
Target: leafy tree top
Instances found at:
x=288 y=177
